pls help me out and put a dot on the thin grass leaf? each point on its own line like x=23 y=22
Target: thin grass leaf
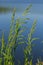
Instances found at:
x=33 y=39
x=3 y=42
x=23 y=42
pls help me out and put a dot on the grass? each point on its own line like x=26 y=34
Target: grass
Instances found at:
x=6 y=57
x=28 y=49
x=14 y=39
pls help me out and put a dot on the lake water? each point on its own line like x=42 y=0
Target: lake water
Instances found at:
x=36 y=12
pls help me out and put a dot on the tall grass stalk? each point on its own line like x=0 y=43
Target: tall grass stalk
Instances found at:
x=28 y=49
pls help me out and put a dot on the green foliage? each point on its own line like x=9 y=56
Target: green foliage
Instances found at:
x=28 y=49
x=15 y=35
x=6 y=53
x=16 y=38
x=1 y=61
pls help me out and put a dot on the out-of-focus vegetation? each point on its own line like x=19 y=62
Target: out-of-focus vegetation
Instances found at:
x=5 y=9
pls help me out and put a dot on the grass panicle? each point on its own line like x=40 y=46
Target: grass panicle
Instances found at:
x=27 y=10
x=28 y=49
